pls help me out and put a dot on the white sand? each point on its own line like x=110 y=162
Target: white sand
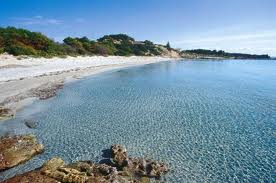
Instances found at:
x=12 y=69
x=19 y=77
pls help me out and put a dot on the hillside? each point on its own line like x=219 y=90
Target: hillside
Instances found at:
x=23 y=42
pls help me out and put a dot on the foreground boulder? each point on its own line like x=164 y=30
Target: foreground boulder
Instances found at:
x=123 y=170
x=6 y=113
x=18 y=149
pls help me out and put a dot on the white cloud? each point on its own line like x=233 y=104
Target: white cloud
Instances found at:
x=37 y=20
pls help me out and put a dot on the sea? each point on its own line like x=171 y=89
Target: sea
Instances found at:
x=209 y=120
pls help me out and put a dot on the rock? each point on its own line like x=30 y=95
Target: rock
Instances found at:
x=47 y=91
x=136 y=170
x=30 y=123
x=137 y=166
x=149 y=168
x=103 y=169
x=119 y=155
x=18 y=149
x=156 y=169
x=34 y=176
x=79 y=172
x=6 y=113
x=83 y=166
x=56 y=169
x=67 y=175
x=52 y=164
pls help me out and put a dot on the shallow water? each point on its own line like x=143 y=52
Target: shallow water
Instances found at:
x=212 y=121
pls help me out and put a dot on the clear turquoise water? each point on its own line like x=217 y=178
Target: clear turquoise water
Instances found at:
x=212 y=121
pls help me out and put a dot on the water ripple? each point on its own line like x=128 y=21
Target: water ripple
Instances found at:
x=211 y=121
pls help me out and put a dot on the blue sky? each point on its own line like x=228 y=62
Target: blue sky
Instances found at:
x=231 y=25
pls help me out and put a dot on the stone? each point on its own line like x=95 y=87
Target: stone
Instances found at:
x=104 y=169
x=83 y=166
x=149 y=168
x=18 y=149
x=52 y=164
x=119 y=155
x=156 y=169
x=137 y=166
x=6 y=113
x=34 y=176
x=57 y=170
x=30 y=123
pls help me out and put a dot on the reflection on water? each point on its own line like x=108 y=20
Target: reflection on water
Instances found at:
x=211 y=121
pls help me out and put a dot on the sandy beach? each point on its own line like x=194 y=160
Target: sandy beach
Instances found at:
x=26 y=79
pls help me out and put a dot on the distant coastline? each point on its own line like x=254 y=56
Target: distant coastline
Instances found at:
x=214 y=54
x=22 y=42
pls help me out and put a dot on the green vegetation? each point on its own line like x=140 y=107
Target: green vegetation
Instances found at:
x=124 y=45
x=23 y=42
x=221 y=54
x=168 y=46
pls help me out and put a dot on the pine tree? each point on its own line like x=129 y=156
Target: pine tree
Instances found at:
x=168 y=46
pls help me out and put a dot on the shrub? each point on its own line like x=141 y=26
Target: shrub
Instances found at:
x=20 y=50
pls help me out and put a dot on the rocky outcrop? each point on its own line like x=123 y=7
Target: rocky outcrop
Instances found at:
x=18 y=149
x=6 y=113
x=124 y=169
x=119 y=155
x=148 y=168
x=137 y=166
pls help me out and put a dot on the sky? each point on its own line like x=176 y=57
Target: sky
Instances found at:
x=246 y=26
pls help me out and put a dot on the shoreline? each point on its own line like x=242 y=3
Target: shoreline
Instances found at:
x=24 y=81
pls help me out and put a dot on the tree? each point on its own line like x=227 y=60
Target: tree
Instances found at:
x=168 y=46
x=76 y=44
